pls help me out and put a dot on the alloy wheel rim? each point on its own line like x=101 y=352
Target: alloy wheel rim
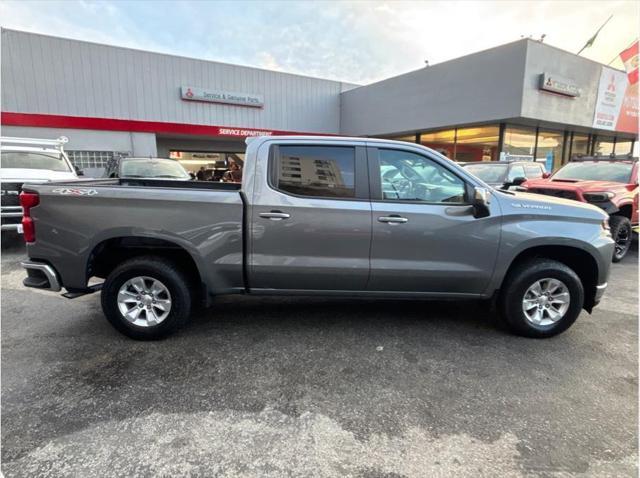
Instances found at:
x=623 y=239
x=144 y=301
x=546 y=301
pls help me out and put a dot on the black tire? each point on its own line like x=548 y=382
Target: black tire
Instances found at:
x=518 y=282
x=157 y=268
x=621 y=232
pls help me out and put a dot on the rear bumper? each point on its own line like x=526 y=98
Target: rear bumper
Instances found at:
x=11 y=217
x=41 y=276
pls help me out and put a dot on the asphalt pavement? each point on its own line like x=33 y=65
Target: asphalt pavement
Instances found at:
x=271 y=387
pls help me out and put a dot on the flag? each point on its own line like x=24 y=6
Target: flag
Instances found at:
x=630 y=59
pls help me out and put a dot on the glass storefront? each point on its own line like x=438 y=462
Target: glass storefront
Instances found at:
x=477 y=144
x=603 y=146
x=443 y=142
x=579 y=145
x=409 y=138
x=550 y=149
x=519 y=144
x=624 y=146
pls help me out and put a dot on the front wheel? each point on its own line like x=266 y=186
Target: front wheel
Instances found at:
x=621 y=233
x=541 y=298
x=146 y=298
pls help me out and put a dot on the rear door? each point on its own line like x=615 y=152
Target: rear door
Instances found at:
x=425 y=237
x=310 y=217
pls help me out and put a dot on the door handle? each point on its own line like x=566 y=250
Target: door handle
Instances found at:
x=393 y=219
x=275 y=215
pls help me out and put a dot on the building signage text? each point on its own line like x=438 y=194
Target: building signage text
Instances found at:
x=617 y=103
x=194 y=93
x=559 y=85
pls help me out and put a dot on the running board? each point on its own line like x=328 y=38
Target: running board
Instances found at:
x=79 y=293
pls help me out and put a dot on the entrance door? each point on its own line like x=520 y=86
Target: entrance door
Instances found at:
x=425 y=238
x=311 y=220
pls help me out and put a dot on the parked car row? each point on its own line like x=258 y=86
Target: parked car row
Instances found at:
x=611 y=183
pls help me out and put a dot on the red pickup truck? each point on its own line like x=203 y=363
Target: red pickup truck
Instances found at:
x=610 y=183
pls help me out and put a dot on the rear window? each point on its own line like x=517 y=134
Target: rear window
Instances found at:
x=152 y=168
x=317 y=171
x=26 y=160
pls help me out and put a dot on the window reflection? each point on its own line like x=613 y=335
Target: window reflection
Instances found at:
x=465 y=144
x=410 y=138
x=519 y=144
x=441 y=141
x=623 y=146
x=603 y=146
x=477 y=144
x=580 y=145
x=550 y=149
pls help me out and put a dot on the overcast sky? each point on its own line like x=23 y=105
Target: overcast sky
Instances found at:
x=357 y=42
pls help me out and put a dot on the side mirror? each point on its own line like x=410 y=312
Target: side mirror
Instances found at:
x=546 y=175
x=480 y=202
x=79 y=172
x=518 y=181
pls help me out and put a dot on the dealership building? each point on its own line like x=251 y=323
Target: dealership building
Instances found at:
x=523 y=100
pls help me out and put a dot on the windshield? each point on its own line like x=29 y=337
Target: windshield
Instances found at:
x=596 y=171
x=27 y=160
x=152 y=168
x=489 y=173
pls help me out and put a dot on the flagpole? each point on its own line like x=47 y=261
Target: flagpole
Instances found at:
x=593 y=38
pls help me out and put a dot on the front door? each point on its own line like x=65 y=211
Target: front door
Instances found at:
x=425 y=237
x=311 y=219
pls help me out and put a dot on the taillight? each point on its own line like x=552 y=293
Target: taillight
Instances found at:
x=27 y=201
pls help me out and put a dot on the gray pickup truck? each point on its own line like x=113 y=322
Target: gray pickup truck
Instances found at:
x=317 y=215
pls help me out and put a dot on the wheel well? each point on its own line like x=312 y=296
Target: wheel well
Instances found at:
x=580 y=261
x=107 y=255
x=625 y=211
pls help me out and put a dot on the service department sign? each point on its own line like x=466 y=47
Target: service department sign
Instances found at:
x=193 y=93
x=559 y=85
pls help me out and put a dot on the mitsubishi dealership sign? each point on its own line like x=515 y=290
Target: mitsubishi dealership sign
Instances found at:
x=194 y=93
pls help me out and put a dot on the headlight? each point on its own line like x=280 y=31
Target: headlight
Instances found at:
x=598 y=196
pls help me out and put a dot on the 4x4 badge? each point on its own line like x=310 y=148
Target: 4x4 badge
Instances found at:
x=75 y=191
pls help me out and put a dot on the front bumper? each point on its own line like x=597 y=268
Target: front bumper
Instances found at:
x=600 y=289
x=41 y=275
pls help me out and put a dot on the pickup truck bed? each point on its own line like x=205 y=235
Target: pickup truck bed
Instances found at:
x=204 y=218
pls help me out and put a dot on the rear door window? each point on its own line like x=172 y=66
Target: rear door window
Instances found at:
x=316 y=171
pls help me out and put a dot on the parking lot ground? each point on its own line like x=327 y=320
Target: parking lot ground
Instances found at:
x=317 y=387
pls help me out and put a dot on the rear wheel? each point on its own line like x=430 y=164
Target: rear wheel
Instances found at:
x=621 y=233
x=146 y=298
x=541 y=298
